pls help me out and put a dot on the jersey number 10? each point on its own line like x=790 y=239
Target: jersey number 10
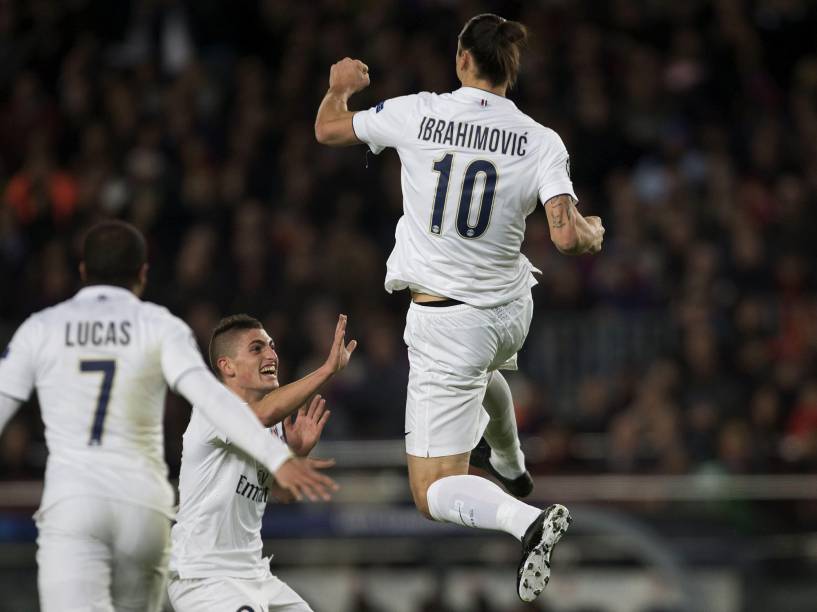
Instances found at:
x=474 y=169
x=108 y=369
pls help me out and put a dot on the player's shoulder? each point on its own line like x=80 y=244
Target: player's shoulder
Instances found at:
x=542 y=138
x=159 y=315
x=403 y=104
x=48 y=315
x=537 y=129
x=201 y=432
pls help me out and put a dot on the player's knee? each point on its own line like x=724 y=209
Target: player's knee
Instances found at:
x=422 y=506
x=420 y=495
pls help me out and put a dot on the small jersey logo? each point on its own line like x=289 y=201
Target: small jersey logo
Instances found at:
x=567 y=166
x=379 y=106
x=483 y=102
x=262 y=476
x=5 y=352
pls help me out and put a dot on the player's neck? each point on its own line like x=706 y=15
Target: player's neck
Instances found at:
x=499 y=90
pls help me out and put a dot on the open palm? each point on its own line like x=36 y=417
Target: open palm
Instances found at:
x=304 y=430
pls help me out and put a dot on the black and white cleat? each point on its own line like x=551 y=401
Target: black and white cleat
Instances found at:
x=537 y=546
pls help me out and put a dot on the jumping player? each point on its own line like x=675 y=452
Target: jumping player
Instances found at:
x=473 y=167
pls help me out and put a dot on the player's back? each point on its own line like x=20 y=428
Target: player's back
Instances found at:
x=473 y=168
x=99 y=377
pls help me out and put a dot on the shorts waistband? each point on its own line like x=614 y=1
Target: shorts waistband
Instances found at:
x=440 y=303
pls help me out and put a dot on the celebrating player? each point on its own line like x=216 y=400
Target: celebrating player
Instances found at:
x=101 y=363
x=216 y=561
x=473 y=166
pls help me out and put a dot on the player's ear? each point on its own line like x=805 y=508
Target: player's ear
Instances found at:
x=225 y=366
x=143 y=280
x=83 y=274
x=464 y=60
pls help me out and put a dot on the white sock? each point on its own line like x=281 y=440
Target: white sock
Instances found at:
x=501 y=433
x=477 y=502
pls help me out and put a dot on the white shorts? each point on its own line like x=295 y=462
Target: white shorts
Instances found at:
x=234 y=595
x=452 y=350
x=99 y=555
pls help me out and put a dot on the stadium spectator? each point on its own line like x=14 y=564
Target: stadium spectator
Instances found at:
x=693 y=130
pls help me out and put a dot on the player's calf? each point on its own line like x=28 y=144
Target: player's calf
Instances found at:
x=425 y=471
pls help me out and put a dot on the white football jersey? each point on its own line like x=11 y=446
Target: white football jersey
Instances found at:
x=473 y=166
x=222 y=497
x=101 y=363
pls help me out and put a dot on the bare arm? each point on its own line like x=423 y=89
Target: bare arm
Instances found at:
x=232 y=417
x=333 y=123
x=572 y=233
x=282 y=402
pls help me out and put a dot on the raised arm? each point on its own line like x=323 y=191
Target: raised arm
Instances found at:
x=232 y=417
x=333 y=123
x=185 y=372
x=282 y=402
x=572 y=233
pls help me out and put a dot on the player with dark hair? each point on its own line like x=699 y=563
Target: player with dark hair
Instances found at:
x=216 y=561
x=114 y=253
x=473 y=168
x=101 y=363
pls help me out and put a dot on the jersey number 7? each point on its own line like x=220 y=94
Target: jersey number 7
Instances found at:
x=474 y=169
x=108 y=369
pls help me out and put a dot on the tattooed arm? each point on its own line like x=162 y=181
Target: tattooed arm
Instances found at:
x=570 y=232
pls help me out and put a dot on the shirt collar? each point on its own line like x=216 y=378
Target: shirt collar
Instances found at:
x=476 y=94
x=105 y=291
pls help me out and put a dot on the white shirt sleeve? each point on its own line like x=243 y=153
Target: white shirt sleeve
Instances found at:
x=232 y=417
x=553 y=174
x=180 y=352
x=18 y=361
x=386 y=124
x=8 y=406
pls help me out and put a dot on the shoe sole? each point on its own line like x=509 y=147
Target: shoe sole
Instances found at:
x=534 y=569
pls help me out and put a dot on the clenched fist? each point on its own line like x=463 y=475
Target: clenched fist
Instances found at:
x=348 y=76
x=598 y=234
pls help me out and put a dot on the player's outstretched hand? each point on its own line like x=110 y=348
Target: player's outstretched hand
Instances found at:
x=304 y=430
x=348 y=76
x=340 y=353
x=301 y=478
x=598 y=234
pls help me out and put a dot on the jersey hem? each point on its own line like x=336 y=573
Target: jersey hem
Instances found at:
x=396 y=284
x=170 y=513
x=12 y=396
x=244 y=574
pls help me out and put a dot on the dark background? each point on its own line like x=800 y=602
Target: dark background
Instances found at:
x=686 y=347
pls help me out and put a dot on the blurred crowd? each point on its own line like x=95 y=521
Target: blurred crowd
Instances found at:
x=692 y=129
